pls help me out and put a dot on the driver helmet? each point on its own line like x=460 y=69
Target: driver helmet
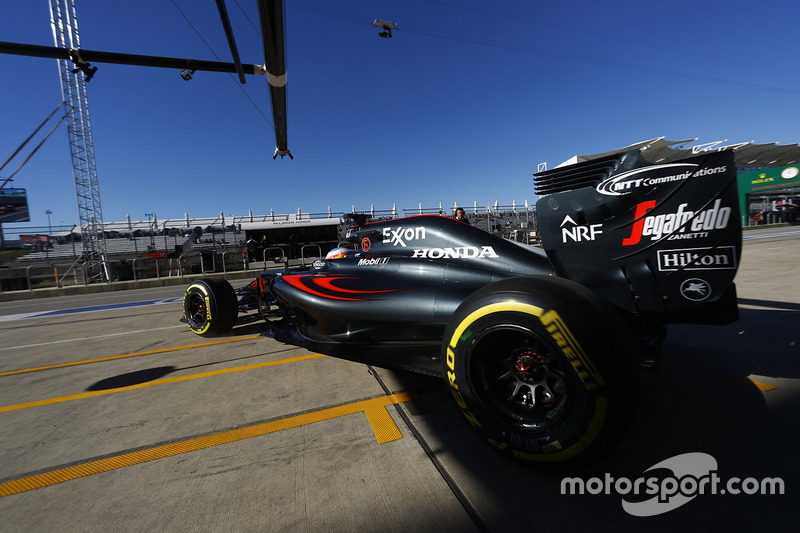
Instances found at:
x=337 y=253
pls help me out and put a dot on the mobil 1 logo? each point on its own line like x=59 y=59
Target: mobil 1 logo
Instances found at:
x=720 y=258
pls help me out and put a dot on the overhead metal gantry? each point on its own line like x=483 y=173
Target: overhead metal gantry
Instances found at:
x=76 y=69
x=271 y=18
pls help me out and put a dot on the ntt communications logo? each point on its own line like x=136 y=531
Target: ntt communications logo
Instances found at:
x=693 y=474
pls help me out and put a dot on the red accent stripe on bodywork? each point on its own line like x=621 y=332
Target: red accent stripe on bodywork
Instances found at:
x=302 y=282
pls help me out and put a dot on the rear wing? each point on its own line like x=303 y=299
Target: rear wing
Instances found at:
x=652 y=239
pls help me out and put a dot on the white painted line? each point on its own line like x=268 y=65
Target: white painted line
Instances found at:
x=20 y=316
x=90 y=338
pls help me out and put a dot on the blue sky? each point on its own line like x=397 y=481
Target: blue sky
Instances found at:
x=461 y=105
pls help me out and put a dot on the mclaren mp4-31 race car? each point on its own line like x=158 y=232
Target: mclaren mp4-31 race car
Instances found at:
x=541 y=348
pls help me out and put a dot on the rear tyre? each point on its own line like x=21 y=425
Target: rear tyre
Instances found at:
x=210 y=306
x=542 y=369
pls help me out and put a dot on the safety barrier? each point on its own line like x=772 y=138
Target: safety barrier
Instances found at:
x=28 y=275
x=158 y=274
x=303 y=252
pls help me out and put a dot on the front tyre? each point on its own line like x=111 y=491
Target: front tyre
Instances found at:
x=542 y=369
x=210 y=306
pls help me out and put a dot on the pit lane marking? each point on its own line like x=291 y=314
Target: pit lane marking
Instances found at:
x=89 y=309
x=381 y=422
x=768 y=235
x=746 y=382
x=90 y=338
x=89 y=394
x=123 y=356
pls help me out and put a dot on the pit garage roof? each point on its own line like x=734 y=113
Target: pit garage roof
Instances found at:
x=748 y=154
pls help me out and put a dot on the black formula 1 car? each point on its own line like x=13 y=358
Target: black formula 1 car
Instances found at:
x=541 y=348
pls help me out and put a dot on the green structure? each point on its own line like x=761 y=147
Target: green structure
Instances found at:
x=770 y=186
x=768 y=192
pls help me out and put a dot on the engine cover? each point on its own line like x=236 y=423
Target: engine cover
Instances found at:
x=649 y=238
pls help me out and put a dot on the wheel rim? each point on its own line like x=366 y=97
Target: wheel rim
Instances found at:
x=196 y=311
x=522 y=379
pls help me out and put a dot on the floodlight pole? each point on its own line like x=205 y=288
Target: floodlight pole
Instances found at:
x=64 y=22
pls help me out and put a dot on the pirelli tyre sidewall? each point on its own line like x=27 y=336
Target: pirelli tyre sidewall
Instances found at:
x=542 y=369
x=210 y=306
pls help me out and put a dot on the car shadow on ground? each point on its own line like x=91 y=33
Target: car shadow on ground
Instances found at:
x=726 y=391
x=152 y=374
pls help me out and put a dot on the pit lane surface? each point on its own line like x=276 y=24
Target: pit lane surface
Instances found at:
x=115 y=416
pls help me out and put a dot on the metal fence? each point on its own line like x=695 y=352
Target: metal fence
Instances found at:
x=42 y=274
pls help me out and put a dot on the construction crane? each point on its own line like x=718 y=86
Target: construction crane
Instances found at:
x=74 y=74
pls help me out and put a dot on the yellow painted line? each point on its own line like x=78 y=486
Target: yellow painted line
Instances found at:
x=375 y=409
x=123 y=356
x=177 y=379
x=746 y=382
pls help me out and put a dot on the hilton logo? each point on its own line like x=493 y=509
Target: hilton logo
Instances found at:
x=722 y=258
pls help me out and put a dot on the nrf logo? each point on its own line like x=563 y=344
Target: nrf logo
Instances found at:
x=721 y=258
x=570 y=230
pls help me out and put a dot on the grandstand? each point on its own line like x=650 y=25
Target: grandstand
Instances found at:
x=290 y=232
x=194 y=235
x=176 y=247
x=181 y=236
x=211 y=244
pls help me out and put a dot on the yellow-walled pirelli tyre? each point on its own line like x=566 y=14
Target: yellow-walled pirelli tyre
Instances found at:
x=542 y=369
x=210 y=306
